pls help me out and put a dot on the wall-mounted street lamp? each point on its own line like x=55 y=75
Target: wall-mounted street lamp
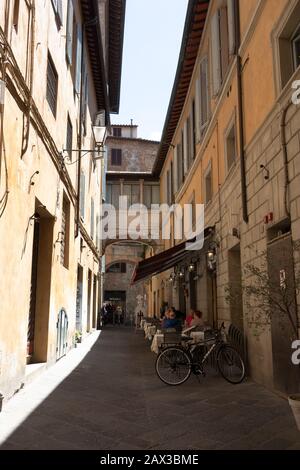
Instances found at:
x=100 y=134
x=192 y=266
x=211 y=257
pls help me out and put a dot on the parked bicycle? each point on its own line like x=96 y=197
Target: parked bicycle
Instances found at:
x=174 y=364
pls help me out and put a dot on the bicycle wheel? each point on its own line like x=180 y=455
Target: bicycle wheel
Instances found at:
x=173 y=366
x=230 y=364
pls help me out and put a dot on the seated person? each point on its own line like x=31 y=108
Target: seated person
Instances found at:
x=197 y=321
x=189 y=319
x=170 y=320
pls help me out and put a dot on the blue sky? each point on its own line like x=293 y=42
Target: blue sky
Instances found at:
x=153 y=33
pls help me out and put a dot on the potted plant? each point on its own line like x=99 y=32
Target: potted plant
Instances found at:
x=78 y=337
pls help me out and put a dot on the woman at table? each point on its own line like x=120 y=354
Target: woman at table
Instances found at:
x=197 y=320
x=190 y=317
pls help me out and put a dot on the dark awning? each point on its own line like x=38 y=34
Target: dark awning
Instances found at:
x=166 y=259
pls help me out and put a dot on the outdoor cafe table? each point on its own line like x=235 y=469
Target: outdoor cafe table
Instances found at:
x=158 y=340
x=150 y=331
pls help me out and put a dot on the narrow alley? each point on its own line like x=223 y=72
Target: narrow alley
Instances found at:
x=113 y=399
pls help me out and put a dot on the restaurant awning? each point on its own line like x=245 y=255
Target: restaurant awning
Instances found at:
x=166 y=259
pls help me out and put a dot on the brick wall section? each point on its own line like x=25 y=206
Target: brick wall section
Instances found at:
x=138 y=155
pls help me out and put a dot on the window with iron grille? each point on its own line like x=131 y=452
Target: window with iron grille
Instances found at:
x=117 y=132
x=116 y=157
x=52 y=85
x=69 y=141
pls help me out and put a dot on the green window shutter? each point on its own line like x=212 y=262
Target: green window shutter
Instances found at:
x=216 y=52
x=231 y=26
x=82 y=194
x=78 y=59
x=69 y=43
x=60 y=11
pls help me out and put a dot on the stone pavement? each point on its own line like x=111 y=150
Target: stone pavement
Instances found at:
x=113 y=400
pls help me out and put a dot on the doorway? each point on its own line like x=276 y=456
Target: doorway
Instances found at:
x=89 y=301
x=235 y=285
x=40 y=286
x=95 y=302
x=79 y=299
x=62 y=334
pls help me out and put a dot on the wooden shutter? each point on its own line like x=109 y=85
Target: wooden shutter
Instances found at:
x=116 y=157
x=175 y=172
x=78 y=59
x=216 y=55
x=69 y=39
x=203 y=93
x=82 y=194
x=224 y=41
x=185 y=148
x=84 y=97
x=168 y=187
x=231 y=26
x=197 y=109
x=92 y=218
x=60 y=11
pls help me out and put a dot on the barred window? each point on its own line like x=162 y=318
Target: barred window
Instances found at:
x=52 y=85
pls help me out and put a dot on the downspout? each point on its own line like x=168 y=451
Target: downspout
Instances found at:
x=241 y=111
x=285 y=158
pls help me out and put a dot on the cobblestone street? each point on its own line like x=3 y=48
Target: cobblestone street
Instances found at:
x=113 y=400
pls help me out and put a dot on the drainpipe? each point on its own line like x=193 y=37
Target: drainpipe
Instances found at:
x=241 y=112
x=285 y=158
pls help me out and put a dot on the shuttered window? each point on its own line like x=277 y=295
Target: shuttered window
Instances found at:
x=204 y=95
x=231 y=26
x=223 y=42
x=16 y=14
x=84 y=96
x=69 y=39
x=52 y=85
x=78 y=58
x=117 y=132
x=224 y=46
x=69 y=139
x=92 y=218
x=82 y=194
x=58 y=10
x=189 y=143
x=185 y=149
x=208 y=185
x=116 y=157
x=194 y=132
x=216 y=52
x=175 y=173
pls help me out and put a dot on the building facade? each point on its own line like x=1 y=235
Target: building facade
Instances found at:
x=56 y=86
x=130 y=161
x=231 y=142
